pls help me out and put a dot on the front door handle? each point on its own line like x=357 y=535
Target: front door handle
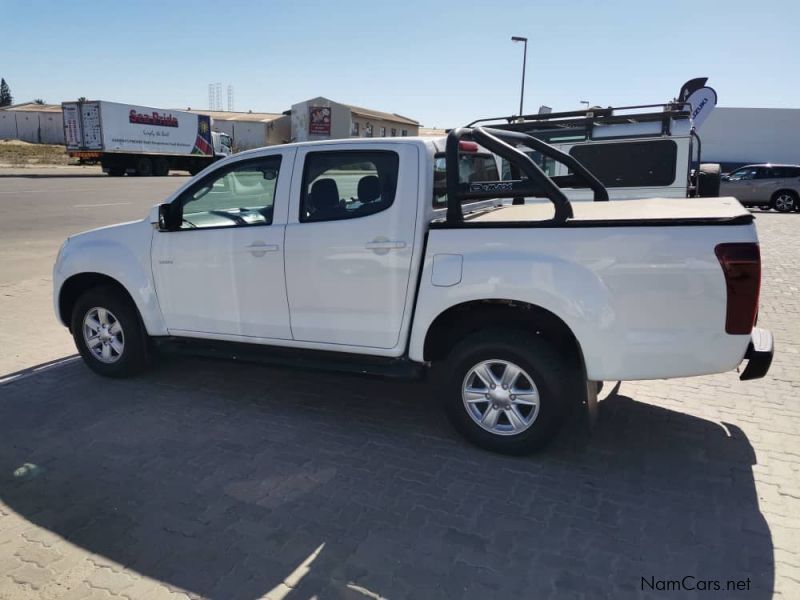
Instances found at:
x=259 y=249
x=384 y=245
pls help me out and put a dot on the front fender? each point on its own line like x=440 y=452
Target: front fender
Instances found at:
x=121 y=252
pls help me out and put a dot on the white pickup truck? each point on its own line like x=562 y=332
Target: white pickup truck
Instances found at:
x=396 y=256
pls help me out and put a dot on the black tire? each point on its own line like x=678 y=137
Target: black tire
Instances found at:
x=708 y=180
x=116 y=171
x=161 y=167
x=195 y=169
x=133 y=357
x=555 y=380
x=784 y=201
x=144 y=167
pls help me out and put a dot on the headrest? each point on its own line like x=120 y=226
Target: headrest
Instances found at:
x=369 y=188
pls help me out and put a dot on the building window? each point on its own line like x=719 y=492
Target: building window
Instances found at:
x=368 y=130
x=354 y=130
x=404 y=133
x=394 y=132
x=383 y=131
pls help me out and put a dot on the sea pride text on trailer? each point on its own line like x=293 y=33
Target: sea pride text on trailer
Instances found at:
x=152 y=119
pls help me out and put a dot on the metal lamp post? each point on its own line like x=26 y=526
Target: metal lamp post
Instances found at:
x=515 y=38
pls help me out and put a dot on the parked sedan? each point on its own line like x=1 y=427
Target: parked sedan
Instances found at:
x=767 y=186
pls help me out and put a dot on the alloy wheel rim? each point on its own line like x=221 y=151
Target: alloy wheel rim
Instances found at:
x=500 y=397
x=103 y=335
x=784 y=202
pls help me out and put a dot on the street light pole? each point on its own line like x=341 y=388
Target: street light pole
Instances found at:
x=524 y=60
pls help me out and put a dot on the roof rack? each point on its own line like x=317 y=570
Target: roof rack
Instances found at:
x=584 y=121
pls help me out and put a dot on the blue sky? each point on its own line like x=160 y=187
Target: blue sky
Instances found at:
x=443 y=62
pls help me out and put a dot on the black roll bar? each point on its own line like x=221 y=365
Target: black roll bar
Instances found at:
x=504 y=144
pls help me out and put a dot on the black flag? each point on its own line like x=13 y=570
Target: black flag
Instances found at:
x=690 y=87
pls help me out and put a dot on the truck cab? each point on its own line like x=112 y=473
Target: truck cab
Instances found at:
x=223 y=144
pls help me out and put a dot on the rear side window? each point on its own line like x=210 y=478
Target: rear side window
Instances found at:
x=782 y=172
x=347 y=184
x=471 y=167
x=630 y=164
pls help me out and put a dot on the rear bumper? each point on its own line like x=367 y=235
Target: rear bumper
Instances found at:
x=759 y=354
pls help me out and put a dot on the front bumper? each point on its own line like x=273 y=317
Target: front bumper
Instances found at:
x=759 y=354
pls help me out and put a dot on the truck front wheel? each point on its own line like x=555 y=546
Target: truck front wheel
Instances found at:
x=507 y=392
x=108 y=332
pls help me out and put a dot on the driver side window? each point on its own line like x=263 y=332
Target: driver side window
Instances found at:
x=241 y=194
x=743 y=174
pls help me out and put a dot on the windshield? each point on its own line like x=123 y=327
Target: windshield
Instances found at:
x=471 y=167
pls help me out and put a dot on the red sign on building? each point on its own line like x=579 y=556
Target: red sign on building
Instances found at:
x=319 y=120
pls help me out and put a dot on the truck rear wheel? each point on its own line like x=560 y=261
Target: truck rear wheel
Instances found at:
x=507 y=392
x=144 y=167
x=161 y=167
x=784 y=201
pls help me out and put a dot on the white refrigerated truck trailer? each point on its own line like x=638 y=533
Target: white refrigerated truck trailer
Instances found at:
x=141 y=140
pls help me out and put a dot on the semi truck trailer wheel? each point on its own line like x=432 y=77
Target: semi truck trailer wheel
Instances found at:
x=161 y=167
x=144 y=167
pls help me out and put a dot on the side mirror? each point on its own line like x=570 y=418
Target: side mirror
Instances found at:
x=169 y=217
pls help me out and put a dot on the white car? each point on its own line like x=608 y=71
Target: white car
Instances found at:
x=371 y=255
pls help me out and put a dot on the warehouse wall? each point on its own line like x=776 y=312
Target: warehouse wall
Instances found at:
x=32 y=126
x=751 y=135
x=8 y=125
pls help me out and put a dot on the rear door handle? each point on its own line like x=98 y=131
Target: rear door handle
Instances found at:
x=259 y=249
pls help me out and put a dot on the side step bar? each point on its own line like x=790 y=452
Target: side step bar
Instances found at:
x=397 y=368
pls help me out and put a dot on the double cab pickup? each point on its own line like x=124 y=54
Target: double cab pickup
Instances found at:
x=404 y=256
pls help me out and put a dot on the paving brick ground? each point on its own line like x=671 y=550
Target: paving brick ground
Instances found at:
x=222 y=480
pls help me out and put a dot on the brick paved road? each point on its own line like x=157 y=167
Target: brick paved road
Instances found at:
x=225 y=480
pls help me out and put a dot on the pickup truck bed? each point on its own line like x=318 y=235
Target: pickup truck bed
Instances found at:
x=650 y=211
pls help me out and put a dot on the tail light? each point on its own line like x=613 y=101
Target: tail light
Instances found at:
x=741 y=263
x=467 y=146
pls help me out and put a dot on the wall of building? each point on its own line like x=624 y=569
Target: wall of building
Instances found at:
x=751 y=135
x=32 y=126
x=340 y=120
x=377 y=124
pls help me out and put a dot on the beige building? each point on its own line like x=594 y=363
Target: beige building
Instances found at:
x=31 y=122
x=316 y=119
x=250 y=129
x=321 y=119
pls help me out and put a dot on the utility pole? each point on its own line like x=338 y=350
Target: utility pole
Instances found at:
x=516 y=38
